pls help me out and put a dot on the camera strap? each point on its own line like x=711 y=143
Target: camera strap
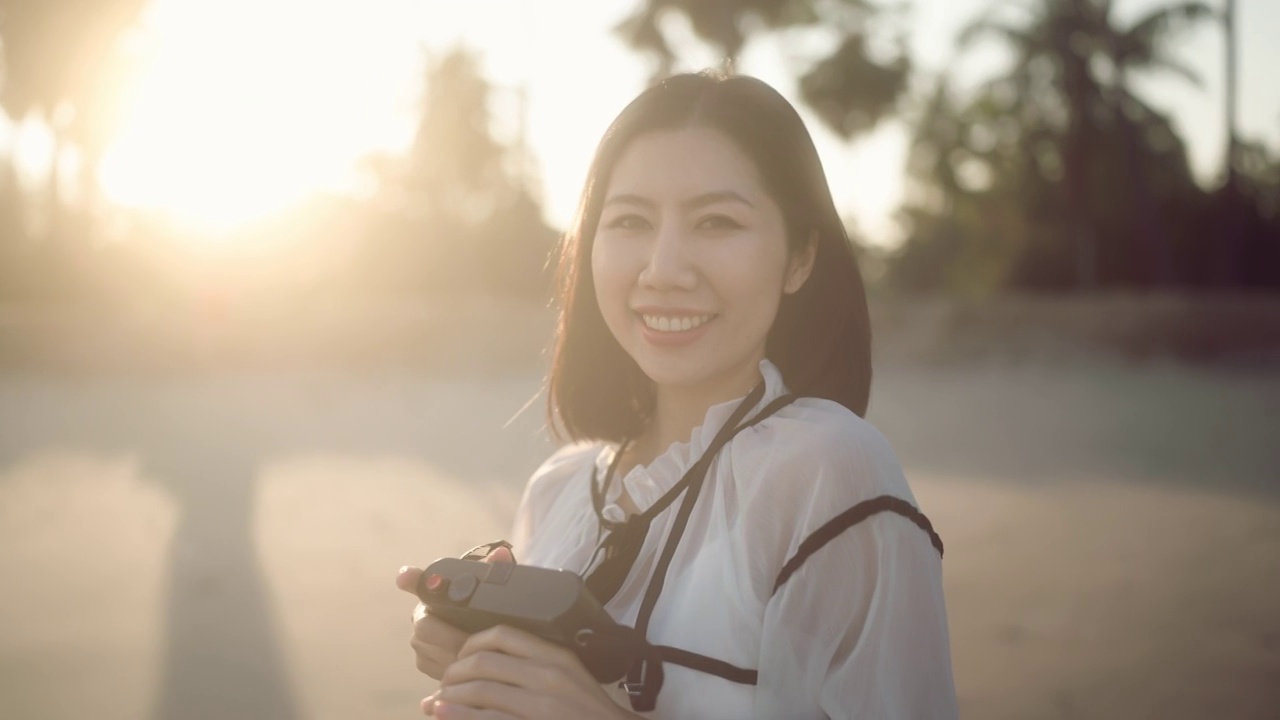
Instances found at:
x=645 y=678
x=625 y=539
x=629 y=647
x=622 y=547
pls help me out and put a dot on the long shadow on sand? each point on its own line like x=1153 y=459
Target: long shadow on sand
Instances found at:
x=221 y=658
x=205 y=441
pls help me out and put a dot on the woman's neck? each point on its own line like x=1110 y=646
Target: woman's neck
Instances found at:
x=679 y=410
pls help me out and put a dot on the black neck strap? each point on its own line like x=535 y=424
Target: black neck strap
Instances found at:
x=726 y=431
x=693 y=480
x=622 y=545
x=645 y=679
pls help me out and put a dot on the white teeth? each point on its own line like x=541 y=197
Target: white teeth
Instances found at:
x=661 y=323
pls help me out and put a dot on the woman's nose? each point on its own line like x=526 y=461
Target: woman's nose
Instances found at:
x=669 y=264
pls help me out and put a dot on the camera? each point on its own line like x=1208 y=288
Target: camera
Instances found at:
x=552 y=604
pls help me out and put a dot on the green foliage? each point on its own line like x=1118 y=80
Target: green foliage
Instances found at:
x=852 y=88
x=1056 y=175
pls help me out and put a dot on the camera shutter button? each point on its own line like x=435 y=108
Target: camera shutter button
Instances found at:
x=461 y=589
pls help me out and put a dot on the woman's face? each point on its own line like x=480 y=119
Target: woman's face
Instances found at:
x=690 y=261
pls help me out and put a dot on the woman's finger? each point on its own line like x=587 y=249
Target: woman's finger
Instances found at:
x=507 y=669
x=432 y=630
x=504 y=700
x=430 y=659
x=450 y=711
x=500 y=555
x=509 y=640
x=407 y=578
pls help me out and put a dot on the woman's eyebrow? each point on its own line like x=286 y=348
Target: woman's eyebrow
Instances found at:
x=709 y=198
x=712 y=198
x=627 y=199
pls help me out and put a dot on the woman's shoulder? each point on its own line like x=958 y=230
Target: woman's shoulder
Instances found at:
x=567 y=460
x=823 y=423
x=547 y=488
x=564 y=463
x=817 y=447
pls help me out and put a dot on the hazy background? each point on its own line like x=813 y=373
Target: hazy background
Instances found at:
x=273 y=301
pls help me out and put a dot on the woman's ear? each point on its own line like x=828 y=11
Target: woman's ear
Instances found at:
x=801 y=265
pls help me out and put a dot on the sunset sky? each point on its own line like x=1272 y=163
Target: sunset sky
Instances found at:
x=246 y=106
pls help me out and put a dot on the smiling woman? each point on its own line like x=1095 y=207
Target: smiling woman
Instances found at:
x=242 y=109
x=719 y=492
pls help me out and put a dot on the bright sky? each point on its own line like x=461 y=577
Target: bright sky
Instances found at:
x=235 y=119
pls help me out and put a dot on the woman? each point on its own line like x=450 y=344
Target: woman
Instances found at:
x=722 y=493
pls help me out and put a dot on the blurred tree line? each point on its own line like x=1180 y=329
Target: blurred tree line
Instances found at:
x=457 y=213
x=1058 y=175
x=60 y=62
x=1054 y=176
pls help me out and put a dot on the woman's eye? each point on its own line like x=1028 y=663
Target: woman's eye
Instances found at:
x=719 y=222
x=628 y=222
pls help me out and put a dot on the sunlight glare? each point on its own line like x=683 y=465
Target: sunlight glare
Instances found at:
x=244 y=108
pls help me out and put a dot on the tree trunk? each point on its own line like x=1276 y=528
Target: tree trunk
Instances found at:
x=1080 y=222
x=1155 y=255
x=1076 y=87
x=1231 y=206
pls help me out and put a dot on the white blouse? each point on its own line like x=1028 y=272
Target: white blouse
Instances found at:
x=859 y=631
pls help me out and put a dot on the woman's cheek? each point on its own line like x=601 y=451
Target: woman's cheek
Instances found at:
x=611 y=284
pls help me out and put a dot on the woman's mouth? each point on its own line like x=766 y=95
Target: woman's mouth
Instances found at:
x=673 y=330
x=674 y=324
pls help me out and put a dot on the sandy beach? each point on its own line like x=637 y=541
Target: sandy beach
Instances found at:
x=182 y=547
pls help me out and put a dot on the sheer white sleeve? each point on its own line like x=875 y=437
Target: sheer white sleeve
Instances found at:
x=861 y=626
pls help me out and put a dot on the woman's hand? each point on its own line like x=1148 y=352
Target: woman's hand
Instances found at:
x=436 y=643
x=508 y=674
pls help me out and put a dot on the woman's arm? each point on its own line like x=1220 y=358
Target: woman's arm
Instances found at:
x=861 y=629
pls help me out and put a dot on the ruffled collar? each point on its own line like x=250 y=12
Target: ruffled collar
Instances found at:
x=646 y=483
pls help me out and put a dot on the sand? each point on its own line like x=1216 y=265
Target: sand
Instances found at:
x=187 y=547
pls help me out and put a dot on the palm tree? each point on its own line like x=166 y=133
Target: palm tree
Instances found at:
x=1060 y=46
x=1145 y=47
x=850 y=89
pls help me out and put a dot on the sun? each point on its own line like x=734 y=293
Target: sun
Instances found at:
x=243 y=108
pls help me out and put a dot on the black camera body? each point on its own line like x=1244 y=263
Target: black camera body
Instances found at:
x=553 y=604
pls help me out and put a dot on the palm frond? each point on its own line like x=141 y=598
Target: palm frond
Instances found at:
x=1165 y=62
x=986 y=24
x=987 y=27
x=1158 y=27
